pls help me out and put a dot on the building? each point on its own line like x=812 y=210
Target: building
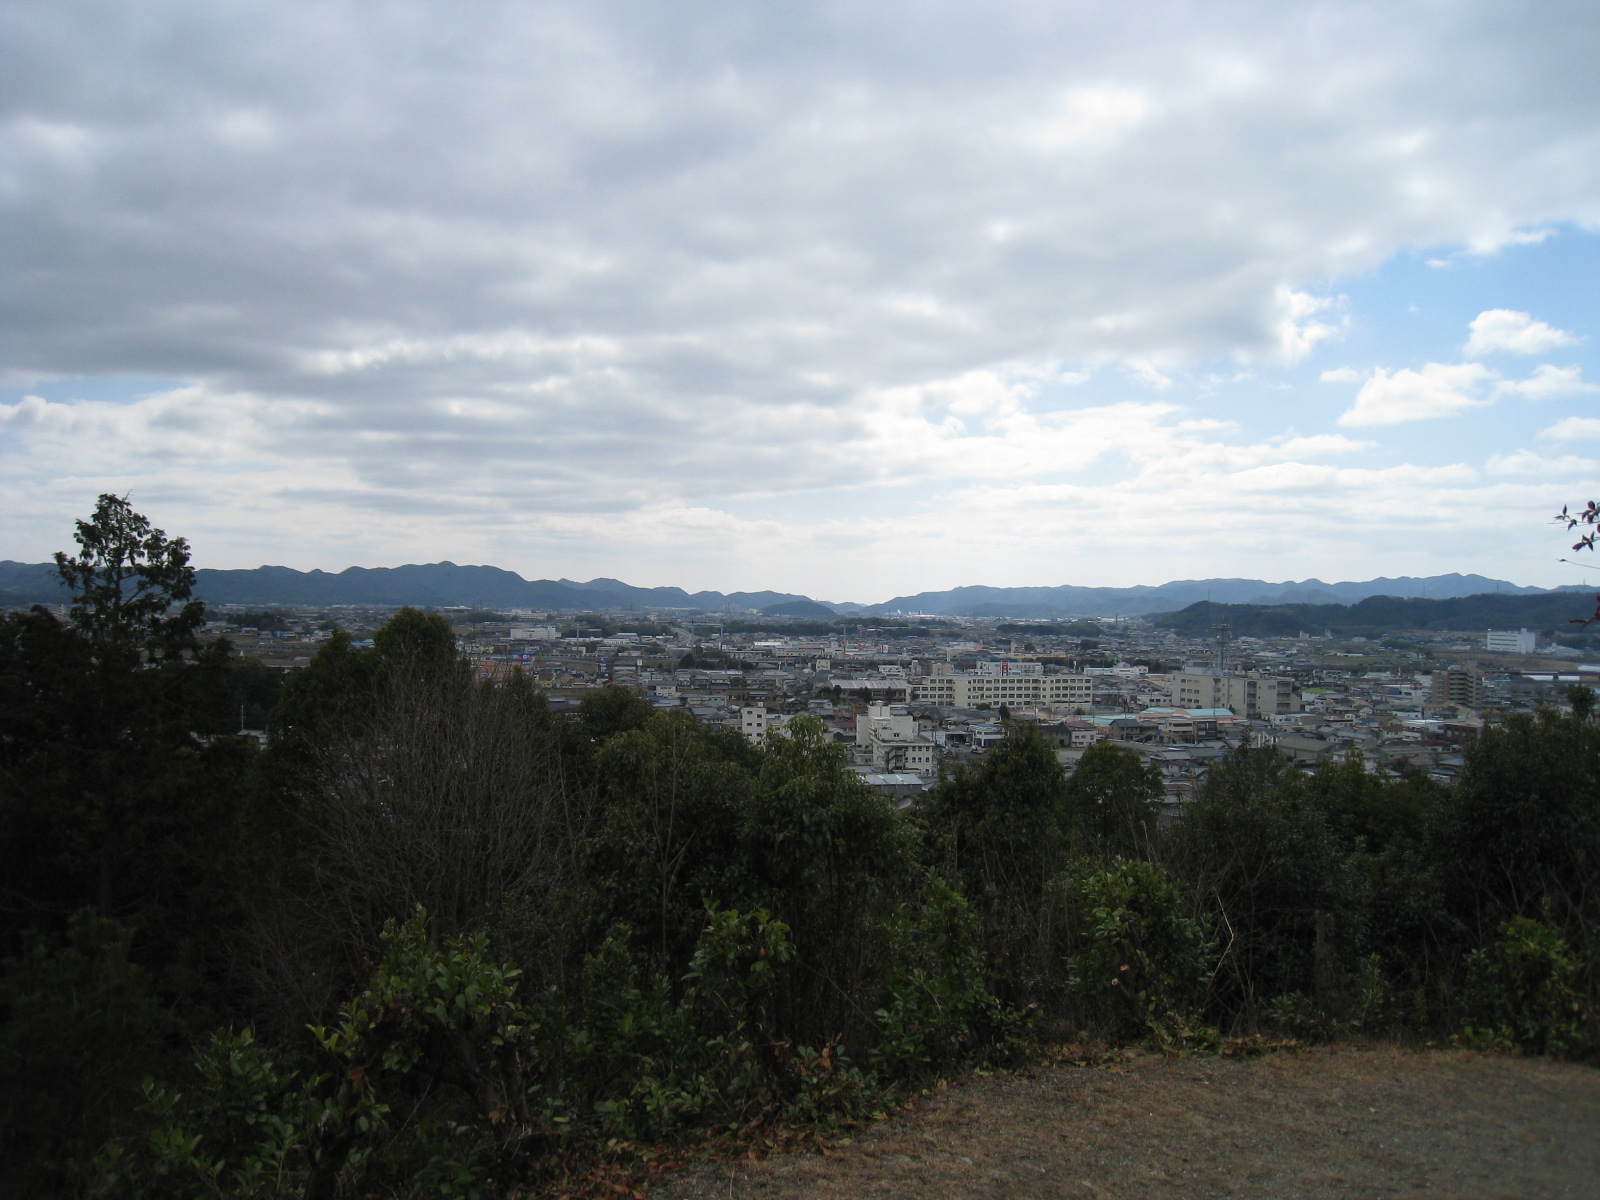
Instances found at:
x=1248 y=695
x=997 y=683
x=884 y=689
x=1458 y=688
x=752 y=722
x=894 y=742
x=1507 y=641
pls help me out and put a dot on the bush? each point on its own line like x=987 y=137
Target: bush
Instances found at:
x=940 y=1007
x=1524 y=992
x=1140 y=964
x=240 y=1131
x=82 y=1026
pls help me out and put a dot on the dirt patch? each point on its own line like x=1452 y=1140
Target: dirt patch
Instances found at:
x=1346 y=1122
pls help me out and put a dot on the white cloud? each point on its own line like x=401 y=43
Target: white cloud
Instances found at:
x=1148 y=374
x=1526 y=462
x=571 y=279
x=1090 y=114
x=1298 y=332
x=1573 y=429
x=1342 y=375
x=1501 y=330
x=1438 y=390
x=1549 y=383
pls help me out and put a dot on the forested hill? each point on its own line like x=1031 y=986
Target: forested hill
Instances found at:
x=1552 y=612
x=447 y=584
x=434 y=585
x=1070 y=600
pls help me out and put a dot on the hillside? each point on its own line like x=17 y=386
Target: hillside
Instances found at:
x=1069 y=600
x=1550 y=612
x=446 y=585
x=430 y=585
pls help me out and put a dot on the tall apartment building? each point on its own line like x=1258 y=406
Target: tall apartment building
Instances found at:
x=1002 y=683
x=1248 y=695
x=1461 y=688
x=752 y=722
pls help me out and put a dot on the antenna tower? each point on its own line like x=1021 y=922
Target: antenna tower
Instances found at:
x=1223 y=632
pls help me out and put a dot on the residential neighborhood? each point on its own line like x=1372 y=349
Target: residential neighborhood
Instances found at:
x=912 y=698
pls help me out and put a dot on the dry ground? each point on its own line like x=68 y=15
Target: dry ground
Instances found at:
x=1343 y=1122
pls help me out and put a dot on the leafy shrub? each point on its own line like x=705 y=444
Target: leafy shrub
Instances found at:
x=1524 y=992
x=940 y=1007
x=239 y=1132
x=1141 y=963
x=82 y=1025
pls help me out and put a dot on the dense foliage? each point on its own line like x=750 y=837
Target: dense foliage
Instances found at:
x=435 y=940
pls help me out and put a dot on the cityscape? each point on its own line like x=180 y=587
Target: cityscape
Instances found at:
x=912 y=698
x=607 y=600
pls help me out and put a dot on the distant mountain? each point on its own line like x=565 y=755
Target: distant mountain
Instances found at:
x=1548 y=612
x=22 y=584
x=800 y=608
x=445 y=585
x=437 y=585
x=1072 y=601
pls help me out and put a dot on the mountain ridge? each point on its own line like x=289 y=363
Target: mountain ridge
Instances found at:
x=447 y=584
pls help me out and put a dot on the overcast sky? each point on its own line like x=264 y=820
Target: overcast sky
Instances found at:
x=849 y=299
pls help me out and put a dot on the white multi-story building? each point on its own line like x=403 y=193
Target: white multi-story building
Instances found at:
x=999 y=683
x=752 y=722
x=1250 y=695
x=894 y=741
x=1510 y=641
x=534 y=633
x=1006 y=667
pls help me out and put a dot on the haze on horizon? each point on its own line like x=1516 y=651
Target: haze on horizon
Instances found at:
x=850 y=300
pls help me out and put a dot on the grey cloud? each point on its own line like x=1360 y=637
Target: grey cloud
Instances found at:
x=734 y=200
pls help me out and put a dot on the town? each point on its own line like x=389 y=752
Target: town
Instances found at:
x=911 y=697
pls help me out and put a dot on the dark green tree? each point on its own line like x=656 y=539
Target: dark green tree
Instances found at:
x=125 y=829
x=1111 y=802
x=670 y=836
x=1520 y=833
x=131 y=585
x=1000 y=830
x=1271 y=879
x=107 y=795
x=613 y=710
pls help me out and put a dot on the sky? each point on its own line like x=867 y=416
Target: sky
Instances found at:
x=848 y=299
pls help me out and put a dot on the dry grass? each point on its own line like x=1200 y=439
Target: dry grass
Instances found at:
x=1349 y=1121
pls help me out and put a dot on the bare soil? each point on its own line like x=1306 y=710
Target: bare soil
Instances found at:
x=1345 y=1122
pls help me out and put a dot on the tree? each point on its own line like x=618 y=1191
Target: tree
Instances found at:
x=111 y=800
x=107 y=797
x=1521 y=828
x=126 y=580
x=669 y=837
x=613 y=710
x=1001 y=830
x=407 y=782
x=1271 y=879
x=1111 y=801
x=419 y=644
